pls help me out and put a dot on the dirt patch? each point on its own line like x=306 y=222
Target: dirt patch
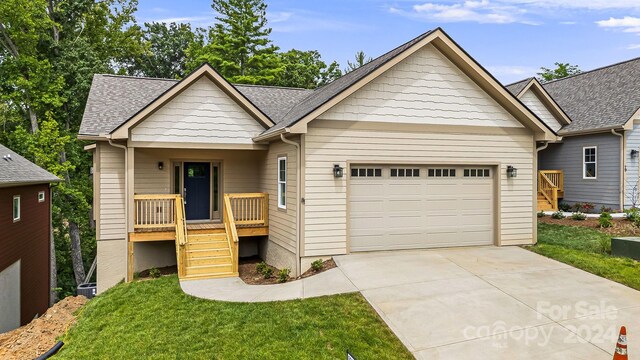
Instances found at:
x=37 y=337
x=249 y=274
x=621 y=227
x=167 y=270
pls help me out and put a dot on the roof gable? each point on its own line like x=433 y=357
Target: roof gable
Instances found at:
x=122 y=131
x=537 y=99
x=425 y=88
x=331 y=94
x=15 y=170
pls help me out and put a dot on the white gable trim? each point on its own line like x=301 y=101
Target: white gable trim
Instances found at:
x=551 y=105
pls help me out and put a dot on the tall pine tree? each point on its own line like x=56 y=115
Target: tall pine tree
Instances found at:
x=238 y=44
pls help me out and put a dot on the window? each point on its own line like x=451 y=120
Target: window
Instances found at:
x=282 y=182
x=477 y=173
x=41 y=196
x=589 y=162
x=441 y=173
x=366 y=172
x=16 y=208
x=395 y=172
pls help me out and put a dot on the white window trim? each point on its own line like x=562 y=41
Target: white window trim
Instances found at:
x=41 y=196
x=16 y=219
x=584 y=173
x=280 y=182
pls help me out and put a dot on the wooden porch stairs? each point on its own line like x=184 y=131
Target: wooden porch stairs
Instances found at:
x=208 y=255
x=202 y=251
x=550 y=189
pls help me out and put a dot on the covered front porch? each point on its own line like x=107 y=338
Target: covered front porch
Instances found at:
x=203 y=200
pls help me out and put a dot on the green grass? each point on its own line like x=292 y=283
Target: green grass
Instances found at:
x=155 y=319
x=584 y=248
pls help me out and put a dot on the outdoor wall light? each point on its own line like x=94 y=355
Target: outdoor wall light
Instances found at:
x=634 y=153
x=511 y=171
x=338 y=171
x=160 y=165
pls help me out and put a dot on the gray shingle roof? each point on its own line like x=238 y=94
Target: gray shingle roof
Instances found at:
x=114 y=99
x=598 y=99
x=16 y=170
x=327 y=92
x=517 y=87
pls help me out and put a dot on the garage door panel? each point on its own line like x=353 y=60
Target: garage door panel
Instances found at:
x=420 y=212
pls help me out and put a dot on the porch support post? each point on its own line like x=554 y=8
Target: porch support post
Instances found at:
x=130 y=210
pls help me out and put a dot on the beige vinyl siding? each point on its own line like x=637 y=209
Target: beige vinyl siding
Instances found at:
x=202 y=113
x=331 y=142
x=112 y=192
x=240 y=168
x=534 y=103
x=425 y=88
x=282 y=222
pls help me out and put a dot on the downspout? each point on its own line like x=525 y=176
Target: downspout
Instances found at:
x=546 y=144
x=298 y=200
x=623 y=170
x=126 y=205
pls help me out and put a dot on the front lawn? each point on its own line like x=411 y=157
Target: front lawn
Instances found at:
x=586 y=249
x=155 y=319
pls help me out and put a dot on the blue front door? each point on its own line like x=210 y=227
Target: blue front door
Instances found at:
x=197 y=188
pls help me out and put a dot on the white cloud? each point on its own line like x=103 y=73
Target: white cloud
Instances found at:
x=568 y=22
x=279 y=16
x=628 y=24
x=578 y=4
x=633 y=47
x=303 y=21
x=480 y=11
x=186 y=19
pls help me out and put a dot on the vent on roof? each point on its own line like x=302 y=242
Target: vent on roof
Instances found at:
x=7 y=157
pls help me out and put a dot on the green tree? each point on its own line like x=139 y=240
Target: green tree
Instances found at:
x=164 y=55
x=560 y=71
x=304 y=69
x=359 y=59
x=238 y=45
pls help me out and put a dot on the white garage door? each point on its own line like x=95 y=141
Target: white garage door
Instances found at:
x=412 y=207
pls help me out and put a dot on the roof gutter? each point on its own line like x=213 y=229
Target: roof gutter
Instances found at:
x=298 y=199
x=592 y=131
x=264 y=137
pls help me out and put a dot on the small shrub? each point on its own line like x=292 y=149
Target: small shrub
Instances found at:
x=283 y=275
x=588 y=208
x=632 y=215
x=604 y=209
x=317 y=265
x=563 y=206
x=267 y=272
x=155 y=273
x=576 y=207
x=605 y=220
x=541 y=214
x=579 y=216
x=557 y=215
x=261 y=267
x=604 y=245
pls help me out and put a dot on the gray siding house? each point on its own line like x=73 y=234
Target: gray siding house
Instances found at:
x=598 y=153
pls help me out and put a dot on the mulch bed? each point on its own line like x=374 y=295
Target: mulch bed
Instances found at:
x=37 y=337
x=248 y=273
x=621 y=227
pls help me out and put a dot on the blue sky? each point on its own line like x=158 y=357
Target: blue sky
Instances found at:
x=511 y=38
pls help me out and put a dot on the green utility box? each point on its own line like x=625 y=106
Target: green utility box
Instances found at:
x=626 y=247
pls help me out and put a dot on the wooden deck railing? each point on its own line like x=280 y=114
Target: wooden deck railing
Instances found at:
x=181 y=236
x=155 y=211
x=548 y=189
x=251 y=209
x=231 y=230
x=556 y=177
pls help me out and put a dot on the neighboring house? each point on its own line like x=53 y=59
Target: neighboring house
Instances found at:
x=25 y=235
x=598 y=154
x=412 y=150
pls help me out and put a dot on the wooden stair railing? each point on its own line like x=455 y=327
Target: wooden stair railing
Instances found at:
x=548 y=190
x=232 y=231
x=181 y=236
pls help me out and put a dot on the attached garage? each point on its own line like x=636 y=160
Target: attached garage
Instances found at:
x=420 y=206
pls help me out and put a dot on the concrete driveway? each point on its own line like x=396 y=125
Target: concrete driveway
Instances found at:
x=494 y=303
